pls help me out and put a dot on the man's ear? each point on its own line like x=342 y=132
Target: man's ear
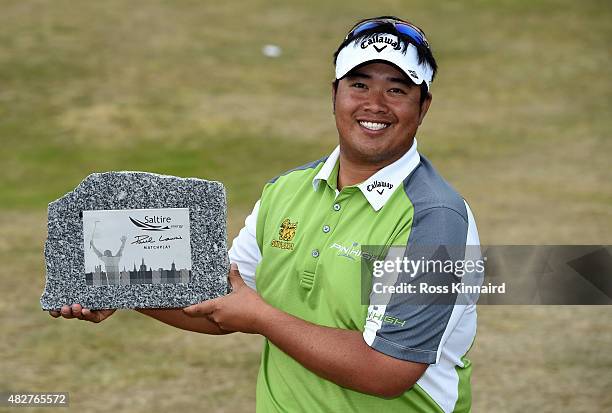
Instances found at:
x=425 y=107
x=334 y=90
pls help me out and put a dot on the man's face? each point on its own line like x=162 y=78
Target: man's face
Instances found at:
x=377 y=112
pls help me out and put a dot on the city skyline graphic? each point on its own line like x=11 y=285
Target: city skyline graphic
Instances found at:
x=138 y=275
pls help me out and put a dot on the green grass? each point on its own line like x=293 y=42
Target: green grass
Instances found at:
x=519 y=125
x=242 y=163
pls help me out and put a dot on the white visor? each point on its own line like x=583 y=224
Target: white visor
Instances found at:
x=386 y=47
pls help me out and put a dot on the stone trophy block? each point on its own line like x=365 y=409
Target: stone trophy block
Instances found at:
x=136 y=240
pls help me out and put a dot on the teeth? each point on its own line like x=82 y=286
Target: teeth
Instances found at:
x=373 y=125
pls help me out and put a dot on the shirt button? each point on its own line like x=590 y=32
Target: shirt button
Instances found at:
x=315 y=253
x=326 y=228
x=336 y=207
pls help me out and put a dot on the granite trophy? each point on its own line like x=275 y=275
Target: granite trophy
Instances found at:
x=136 y=240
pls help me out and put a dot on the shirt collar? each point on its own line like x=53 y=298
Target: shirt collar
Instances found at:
x=378 y=188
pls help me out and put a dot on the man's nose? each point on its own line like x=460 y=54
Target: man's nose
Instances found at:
x=376 y=102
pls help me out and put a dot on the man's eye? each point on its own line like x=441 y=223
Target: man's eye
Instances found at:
x=359 y=85
x=397 y=90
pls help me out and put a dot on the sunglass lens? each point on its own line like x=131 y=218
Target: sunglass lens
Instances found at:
x=364 y=26
x=410 y=31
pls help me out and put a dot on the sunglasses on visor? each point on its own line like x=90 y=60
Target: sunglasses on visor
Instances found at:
x=402 y=27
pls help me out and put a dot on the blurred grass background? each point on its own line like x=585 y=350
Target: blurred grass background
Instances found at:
x=520 y=125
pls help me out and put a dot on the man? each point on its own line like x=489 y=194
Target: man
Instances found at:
x=300 y=252
x=111 y=262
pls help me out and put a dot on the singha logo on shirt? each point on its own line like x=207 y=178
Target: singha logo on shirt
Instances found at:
x=287 y=230
x=285 y=235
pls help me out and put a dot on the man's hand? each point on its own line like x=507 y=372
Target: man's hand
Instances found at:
x=123 y=239
x=241 y=310
x=77 y=311
x=326 y=351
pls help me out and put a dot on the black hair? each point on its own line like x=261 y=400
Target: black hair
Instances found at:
x=424 y=53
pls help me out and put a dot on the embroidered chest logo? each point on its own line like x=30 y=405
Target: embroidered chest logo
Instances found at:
x=352 y=252
x=285 y=235
x=379 y=186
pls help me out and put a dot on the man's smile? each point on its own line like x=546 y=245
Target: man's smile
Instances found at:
x=373 y=126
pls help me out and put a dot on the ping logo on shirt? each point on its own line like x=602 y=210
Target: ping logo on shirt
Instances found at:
x=285 y=235
x=353 y=252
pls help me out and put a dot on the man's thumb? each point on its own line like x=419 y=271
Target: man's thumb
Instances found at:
x=235 y=278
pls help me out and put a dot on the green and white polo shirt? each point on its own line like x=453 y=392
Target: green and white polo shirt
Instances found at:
x=301 y=247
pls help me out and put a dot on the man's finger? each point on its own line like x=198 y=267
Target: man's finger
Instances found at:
x=201 y=309
x=89 y=315
x=54 y=313
x=234 y=276
x=66 y=312
x=76 y=310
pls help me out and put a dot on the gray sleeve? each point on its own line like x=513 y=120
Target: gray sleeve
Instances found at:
x=407 y=325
